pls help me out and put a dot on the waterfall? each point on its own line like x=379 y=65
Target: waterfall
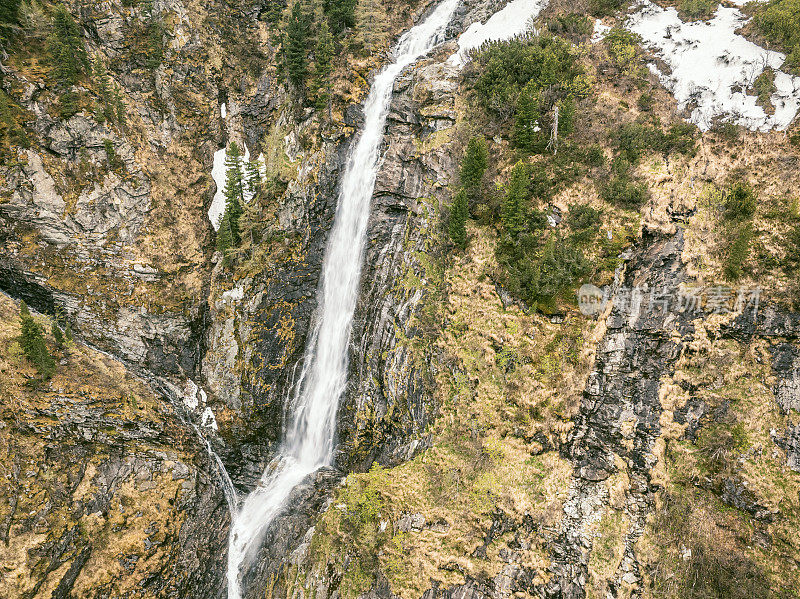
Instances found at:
x=308 y=441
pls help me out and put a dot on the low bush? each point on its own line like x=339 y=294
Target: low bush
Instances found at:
x=779 y=22
x=571 y=24
x=33 y=345
x=697 y=9
x=738 y=209
x=624 y=191
x=527 y=77
x=623 y=49
x=605 y=8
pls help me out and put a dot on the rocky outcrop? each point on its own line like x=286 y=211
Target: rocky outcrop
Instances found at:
x=105 y=489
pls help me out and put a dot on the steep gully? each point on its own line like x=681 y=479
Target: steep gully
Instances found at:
x=310 y=418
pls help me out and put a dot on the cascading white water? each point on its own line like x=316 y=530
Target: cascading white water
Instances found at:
x=311 y=418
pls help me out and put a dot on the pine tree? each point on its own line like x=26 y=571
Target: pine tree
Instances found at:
x=341 y=14
x=253 y=179
x=274 y=12
x=67 y=51
x=9 y=12
x=514 y=203
x=33 y=345
x=228 y=236
x=58 y=334
x=296 y=46
x=323 y=67
x=527 y=118
x=458 y=219
x=476 y=159
x=68 y=57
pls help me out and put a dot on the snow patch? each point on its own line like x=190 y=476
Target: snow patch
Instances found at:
x=208 y=420
x=600 y=31
x=223 y=110
x=218 y=173
x=515 y=19
x=217 y=208
x=711 y=67
x=233 y=295
x=190 y=394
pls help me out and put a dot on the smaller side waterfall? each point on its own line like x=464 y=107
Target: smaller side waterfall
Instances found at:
x=311 y=416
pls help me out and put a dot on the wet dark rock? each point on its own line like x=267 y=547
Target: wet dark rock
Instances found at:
x=691 y=415
x=500 y=525
x=736 y=494
x=786 y=366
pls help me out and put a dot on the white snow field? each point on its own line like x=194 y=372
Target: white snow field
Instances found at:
x=711 y=67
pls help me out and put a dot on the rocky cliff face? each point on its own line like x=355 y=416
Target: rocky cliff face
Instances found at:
x=515 y=453
x=106 y=491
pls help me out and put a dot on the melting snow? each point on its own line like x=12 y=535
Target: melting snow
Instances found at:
x=235 y=294
x=515 y=19
x=208 y=419
x=600 y=31
x=217 y=208
x=711 y=67
x=190 y=394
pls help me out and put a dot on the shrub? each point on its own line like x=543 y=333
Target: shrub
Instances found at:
x=9 y=13
x=738 y=208
x=764 y=86
x=540 y=278
x=738 y=250
x=633 y=140
x=645 y=102
x=698 y=9
x=583 y=217
x=779 y=22
x=535 y=63
x=32 y=342
x=12 y=132
x=681 y=138
x=711 y=568
x=458 y=219
x=527 y=133
x=594 y=156
x=605 y=8
x=623 y=47
x=624 y=191
x=570 y=24
x=739 y=201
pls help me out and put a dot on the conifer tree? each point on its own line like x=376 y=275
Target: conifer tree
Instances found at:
x=68 y=57
x=458 y=219
x=9 y=13
x=33 y=345
x=527 y=117
x=296 y=45
x=514 y=203
x=252 y=179
x=323 y=67
x=66 y=48
x=341 y=14
x=228 y=236
x=476 y=159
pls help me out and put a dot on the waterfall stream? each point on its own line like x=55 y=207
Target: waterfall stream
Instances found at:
x=310 y=426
